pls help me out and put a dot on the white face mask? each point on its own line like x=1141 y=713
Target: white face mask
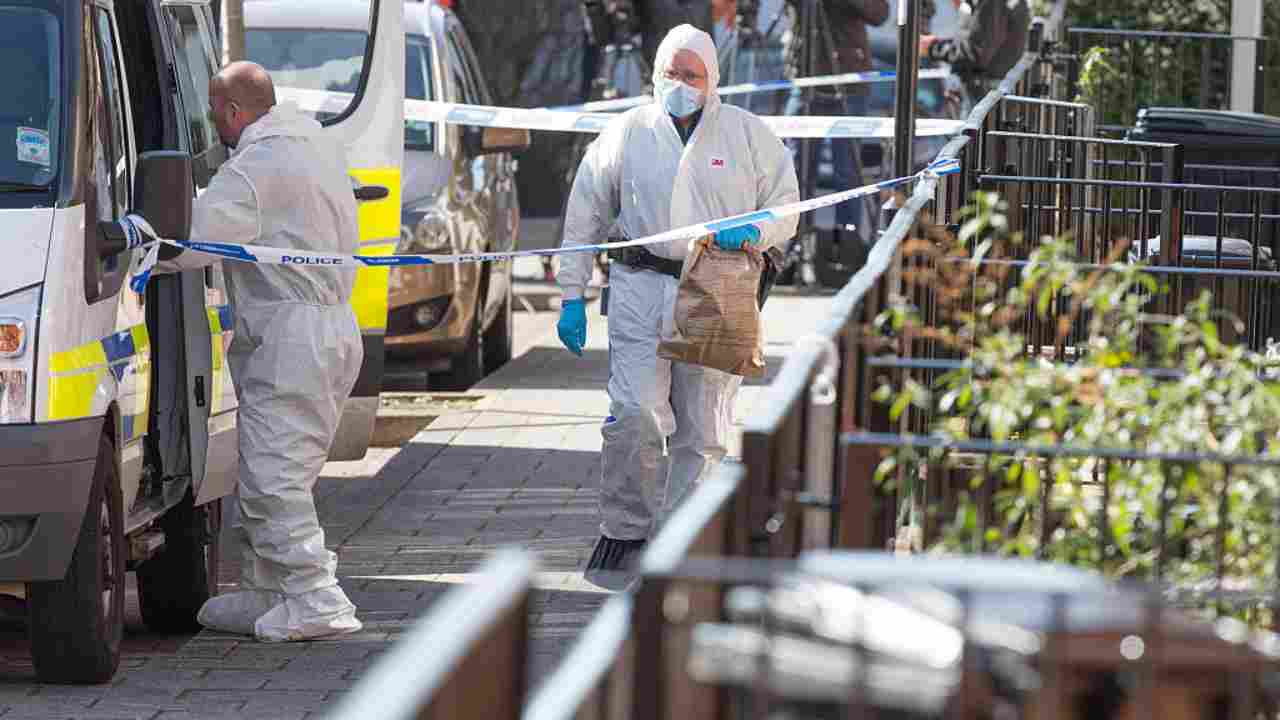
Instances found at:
x=679 y=99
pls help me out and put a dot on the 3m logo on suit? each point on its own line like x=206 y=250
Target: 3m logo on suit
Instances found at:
x=717 y=162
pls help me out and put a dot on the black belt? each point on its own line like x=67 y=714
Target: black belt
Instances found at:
x=640 y=257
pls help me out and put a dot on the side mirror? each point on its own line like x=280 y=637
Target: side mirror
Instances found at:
x=163 y=189
x=478 y=141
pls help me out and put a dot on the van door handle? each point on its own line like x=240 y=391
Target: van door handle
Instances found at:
x=369 y=193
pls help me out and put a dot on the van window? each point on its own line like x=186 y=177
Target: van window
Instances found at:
x=195 y=67
x=418 y=135
x=311 y=59
x=30 y=100
x=117 y=156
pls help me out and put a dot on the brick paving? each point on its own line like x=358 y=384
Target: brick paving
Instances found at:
x=518 y=468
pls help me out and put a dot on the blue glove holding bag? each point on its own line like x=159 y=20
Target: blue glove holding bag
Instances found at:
x=572 y=327
x=737 y=238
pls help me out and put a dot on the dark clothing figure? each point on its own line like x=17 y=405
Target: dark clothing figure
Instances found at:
x=842 y=24
x=658 y=17
x=989 y=41
x=840 y=31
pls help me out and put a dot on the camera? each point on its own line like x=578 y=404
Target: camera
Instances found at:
x=748 y=30
x=610 y=21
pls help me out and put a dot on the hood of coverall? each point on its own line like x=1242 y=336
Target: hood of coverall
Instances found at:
x=688 y=37
x=283 y=120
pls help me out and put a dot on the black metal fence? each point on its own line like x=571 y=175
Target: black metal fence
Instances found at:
x=1121 y=71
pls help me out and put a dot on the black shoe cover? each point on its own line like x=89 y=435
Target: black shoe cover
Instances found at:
x=613 y=561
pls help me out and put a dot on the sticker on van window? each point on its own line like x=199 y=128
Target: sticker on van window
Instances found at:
x=33 y=146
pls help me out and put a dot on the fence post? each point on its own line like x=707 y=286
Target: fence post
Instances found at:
x=1260 y=77
x=1246 y=55
x=908 y=77
x=1073 y=66
x=1035 y=38
x=648 y=693
x=1172 y=200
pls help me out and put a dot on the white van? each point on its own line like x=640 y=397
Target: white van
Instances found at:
x=117 y=410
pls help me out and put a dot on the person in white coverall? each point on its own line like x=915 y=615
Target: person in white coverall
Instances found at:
x=684 y=159
x=295 y=355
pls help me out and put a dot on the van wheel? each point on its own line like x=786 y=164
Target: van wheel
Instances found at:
x=176 y=582
x=497 y=339
x=77 y=622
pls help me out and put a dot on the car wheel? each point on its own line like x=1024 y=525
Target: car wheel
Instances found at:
x=176 y=582
x=498 y=338
x=467 y=368
x=76 y=623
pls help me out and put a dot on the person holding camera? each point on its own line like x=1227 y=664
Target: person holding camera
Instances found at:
x=840 y=34
x=990 y=38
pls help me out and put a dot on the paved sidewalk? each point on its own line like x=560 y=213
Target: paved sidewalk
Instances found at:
x=518 y=468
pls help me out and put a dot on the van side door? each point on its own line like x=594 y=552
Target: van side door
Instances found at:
x=207 y=320
x=370 y=126
x=127 y=350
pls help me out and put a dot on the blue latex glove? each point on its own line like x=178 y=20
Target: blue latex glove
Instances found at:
x=572 y=327
x=735 y=238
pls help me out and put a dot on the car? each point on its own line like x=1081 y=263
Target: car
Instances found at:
x=448 y=325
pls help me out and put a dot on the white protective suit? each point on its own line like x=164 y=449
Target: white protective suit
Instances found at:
x=640 y=175
x=294 y=360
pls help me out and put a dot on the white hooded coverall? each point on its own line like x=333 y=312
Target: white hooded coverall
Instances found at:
x=294 y=360
x=639 y=175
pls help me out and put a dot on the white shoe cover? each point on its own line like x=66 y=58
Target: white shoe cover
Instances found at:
x=319 y=613
x=236 y=612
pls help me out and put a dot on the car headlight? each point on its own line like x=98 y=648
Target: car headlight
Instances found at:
x=424 y=234
x=19 y=312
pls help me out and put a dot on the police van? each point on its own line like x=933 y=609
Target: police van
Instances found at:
x=117 y=409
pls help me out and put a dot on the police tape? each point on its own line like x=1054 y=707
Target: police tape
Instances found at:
x=264 y=255
x=857 y=78
x=785 y=126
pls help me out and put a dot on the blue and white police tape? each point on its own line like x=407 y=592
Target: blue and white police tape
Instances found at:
x=759 y=87
x=797 y=126
x=133 y=238
x=265 y=255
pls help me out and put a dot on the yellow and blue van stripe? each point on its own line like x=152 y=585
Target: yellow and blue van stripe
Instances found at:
x=221 y=323
x=81 y=377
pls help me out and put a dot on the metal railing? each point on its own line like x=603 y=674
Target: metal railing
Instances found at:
x=1124 y=71
x=848 y=635
x=1193 y=247
x=464 y=659
x=624 y=665
x=803 y=488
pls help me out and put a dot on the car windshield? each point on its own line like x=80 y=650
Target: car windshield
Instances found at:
x=332 y=60
x=30 y=100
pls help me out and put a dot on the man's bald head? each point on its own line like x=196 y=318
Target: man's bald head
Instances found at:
x=240 y=94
